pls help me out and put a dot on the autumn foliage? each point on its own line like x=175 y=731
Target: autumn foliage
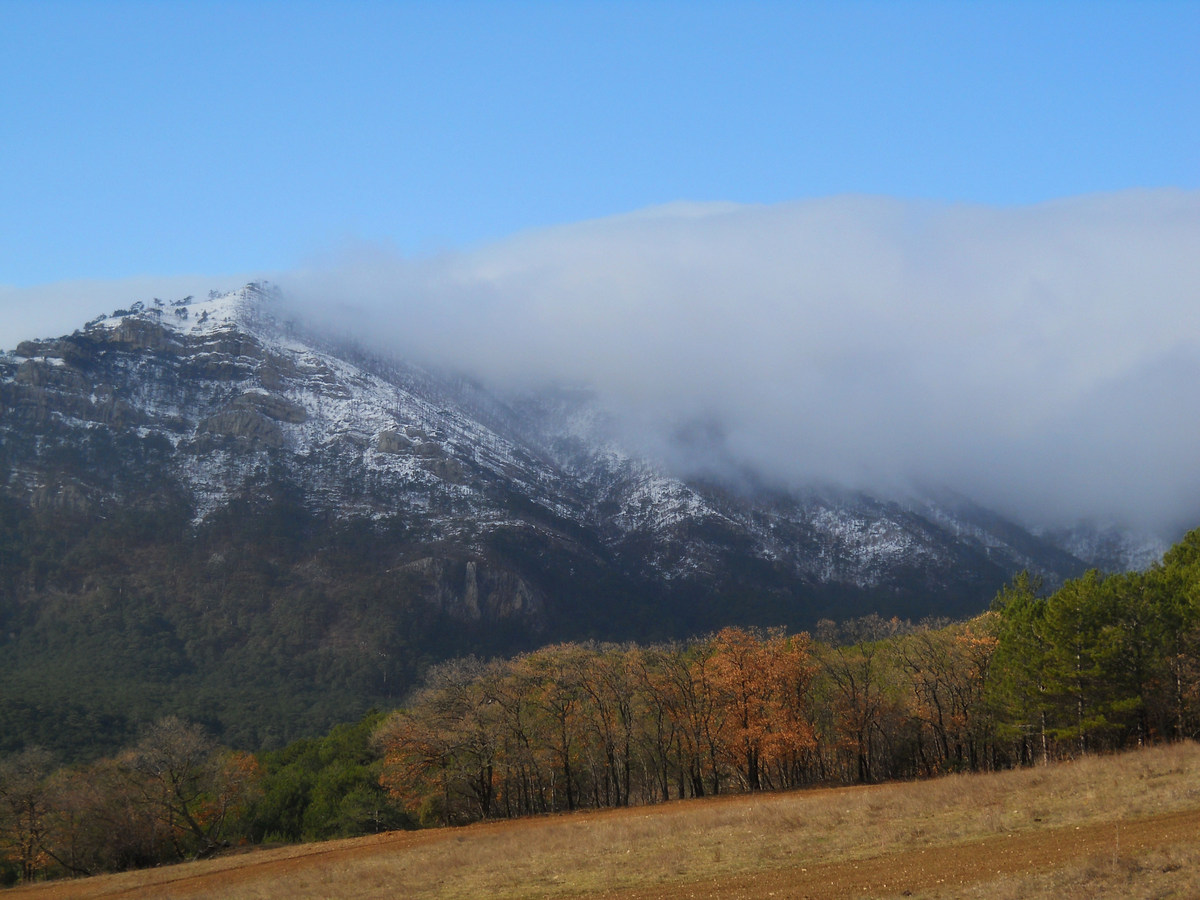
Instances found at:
x=1102 y=663
x=574 y=726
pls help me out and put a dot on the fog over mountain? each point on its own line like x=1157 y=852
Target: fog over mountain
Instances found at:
x=1043 y=360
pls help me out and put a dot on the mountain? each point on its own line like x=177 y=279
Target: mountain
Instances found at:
x=207 y=509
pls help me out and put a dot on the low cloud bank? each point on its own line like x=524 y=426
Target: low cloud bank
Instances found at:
x=1043 y=359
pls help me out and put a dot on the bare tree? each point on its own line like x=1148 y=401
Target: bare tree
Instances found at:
x=192 y=784
x=25 y=808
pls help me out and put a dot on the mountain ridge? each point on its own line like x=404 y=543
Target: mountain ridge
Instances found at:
x=290 y=495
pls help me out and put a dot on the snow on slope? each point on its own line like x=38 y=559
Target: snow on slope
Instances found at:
x=238 y=391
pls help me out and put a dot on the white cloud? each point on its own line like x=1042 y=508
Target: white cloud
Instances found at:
x=1039 y=358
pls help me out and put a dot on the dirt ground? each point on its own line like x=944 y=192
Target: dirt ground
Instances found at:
x=941 y=868
x=934 y=869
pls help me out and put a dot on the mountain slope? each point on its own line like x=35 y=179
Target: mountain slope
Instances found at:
x=205 y=509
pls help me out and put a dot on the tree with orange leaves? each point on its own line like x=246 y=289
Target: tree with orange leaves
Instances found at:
x=763 y=683
x=440 y=753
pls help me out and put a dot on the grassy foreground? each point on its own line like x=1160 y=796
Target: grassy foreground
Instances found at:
x=1119 y=826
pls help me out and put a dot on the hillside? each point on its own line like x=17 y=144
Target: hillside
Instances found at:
x=206 y=509
x=1104 y=826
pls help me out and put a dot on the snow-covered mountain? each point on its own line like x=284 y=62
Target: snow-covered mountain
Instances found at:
x=208 y=399
x=207 y=510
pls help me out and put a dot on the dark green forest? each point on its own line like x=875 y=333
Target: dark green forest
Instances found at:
x=269 y=622
x=264 y=626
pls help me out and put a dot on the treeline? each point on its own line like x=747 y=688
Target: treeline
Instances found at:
x=1100 y=664
x=575 y=726
x=177 y=794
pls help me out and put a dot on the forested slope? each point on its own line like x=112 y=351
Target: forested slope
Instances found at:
x=1102 y=663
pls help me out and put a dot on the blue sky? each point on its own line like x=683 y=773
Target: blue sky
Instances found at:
x=169 y=138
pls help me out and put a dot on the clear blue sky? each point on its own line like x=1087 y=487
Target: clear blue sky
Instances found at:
x=173 y=137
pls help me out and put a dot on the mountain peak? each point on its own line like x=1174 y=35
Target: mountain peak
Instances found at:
x=191 y=315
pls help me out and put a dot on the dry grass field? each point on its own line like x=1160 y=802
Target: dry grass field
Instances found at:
x=1125 y=826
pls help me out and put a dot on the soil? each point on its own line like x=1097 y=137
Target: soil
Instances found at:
x=940 y=868
x=895 y=874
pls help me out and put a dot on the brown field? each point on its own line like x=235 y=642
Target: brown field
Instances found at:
x=1126 y=826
